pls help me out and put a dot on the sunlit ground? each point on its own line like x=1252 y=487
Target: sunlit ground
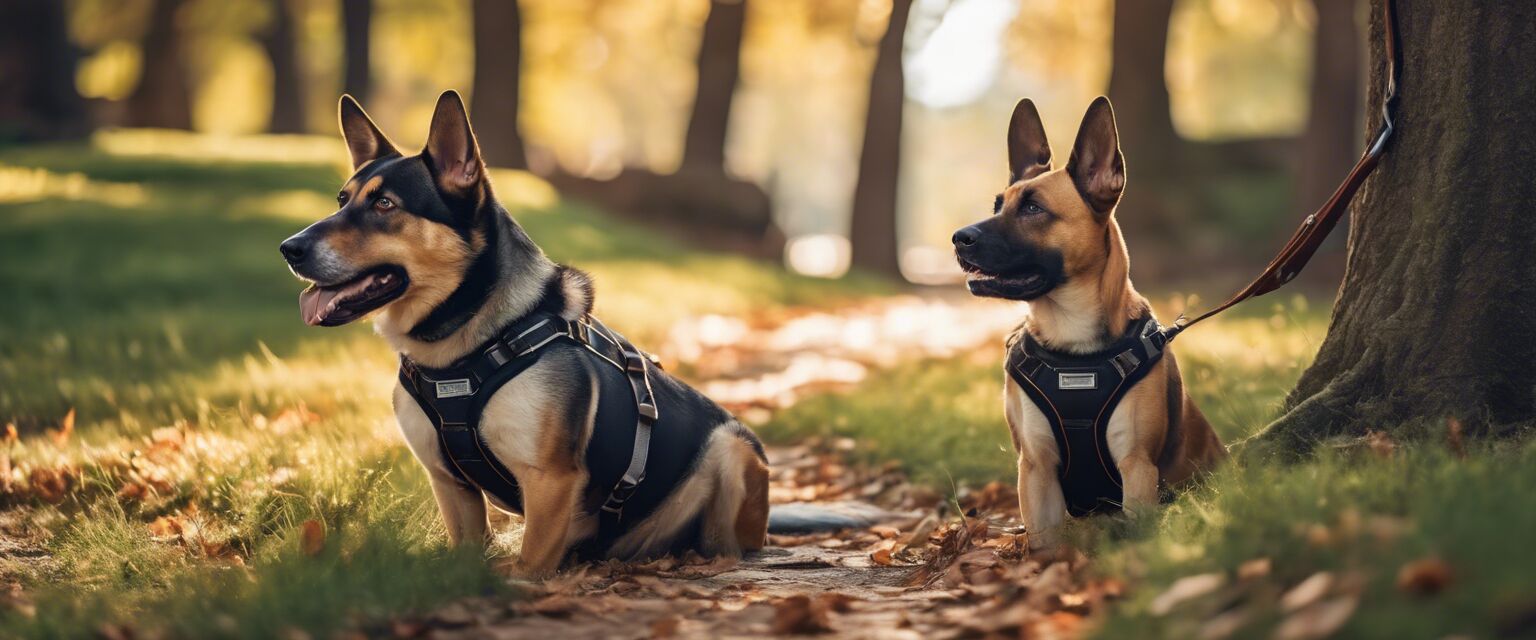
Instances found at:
x=148 y=309
x=146 y=300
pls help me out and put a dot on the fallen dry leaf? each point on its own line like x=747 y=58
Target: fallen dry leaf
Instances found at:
x=1453 y=437
x=166 y=528
x=1254 y=569
x=1185 y=589
x=666 y=627
x=407 y=628
x=1380 y=443
x=1425 y=577
x=1307 y=591
x=1319 y=620
x=312 y=537
x=800 y=613
x=66 y=429
x=50 y=485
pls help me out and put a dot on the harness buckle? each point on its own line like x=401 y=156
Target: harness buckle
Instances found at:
x=622 y=492
x=1125 y=362
x=634 y=361
x=579 y=330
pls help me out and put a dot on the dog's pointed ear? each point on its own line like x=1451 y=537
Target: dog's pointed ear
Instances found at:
x=364 y=140
x=1029 y=154
x=451 y=146
x=1096 y=165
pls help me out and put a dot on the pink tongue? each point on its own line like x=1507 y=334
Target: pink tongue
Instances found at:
x=315 y=303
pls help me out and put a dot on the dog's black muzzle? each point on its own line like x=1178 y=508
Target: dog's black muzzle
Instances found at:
x=998 y=266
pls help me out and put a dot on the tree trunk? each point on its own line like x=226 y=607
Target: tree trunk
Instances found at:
x=872 y=233
x=163 y=98
x=498 y=60
x=1436 y=317
x=1138 y=85
x=719 y=66
x=1331 y=142
x=38 y=100
x=357 y=28
x=281 y=43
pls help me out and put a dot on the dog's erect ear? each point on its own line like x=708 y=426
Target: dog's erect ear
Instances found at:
x=1096 y=166
x=1029 y=154
x=451 y=145
x=363 y=137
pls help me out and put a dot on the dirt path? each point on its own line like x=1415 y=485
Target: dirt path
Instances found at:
x=924 y=572
x=919 y=575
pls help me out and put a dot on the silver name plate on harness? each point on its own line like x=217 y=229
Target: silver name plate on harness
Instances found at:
x=453 y=388
x=1063 y=381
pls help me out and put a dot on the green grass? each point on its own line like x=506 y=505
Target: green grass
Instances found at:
x=1357 y=514
x=145 y=292
x=1347 y=510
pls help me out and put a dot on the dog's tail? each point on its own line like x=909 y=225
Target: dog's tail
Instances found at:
x=814 y=517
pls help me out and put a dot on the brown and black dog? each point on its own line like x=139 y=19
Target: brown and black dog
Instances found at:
x=421 y=243
x=1053 y=241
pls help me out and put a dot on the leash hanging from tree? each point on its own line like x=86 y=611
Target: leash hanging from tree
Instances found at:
x=1316 y=227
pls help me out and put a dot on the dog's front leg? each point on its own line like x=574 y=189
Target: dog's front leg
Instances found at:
x=1041 y=504
x=463 y=511
x=549 y=503
x=1139 y=476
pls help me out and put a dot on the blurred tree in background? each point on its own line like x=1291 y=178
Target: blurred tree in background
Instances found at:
x=38 y=99
x=498 y=37
x=719 y=66
x=872 y=232
x=1335 y=111
x=357 y=40
x=163 y=98
x=740 y=124
x=282 y=44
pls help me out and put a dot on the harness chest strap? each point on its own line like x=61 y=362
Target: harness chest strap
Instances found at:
x=1077 y=394
x=454 y=398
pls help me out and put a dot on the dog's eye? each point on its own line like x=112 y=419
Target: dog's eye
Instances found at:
x=997 y=205
x=1030 y=208
x=341 y=198
x=384 y=204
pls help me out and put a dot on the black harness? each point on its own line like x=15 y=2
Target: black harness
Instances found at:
x=1078 y=394
x=454 y=397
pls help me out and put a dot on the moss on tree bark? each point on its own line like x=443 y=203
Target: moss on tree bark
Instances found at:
x=1436 y=317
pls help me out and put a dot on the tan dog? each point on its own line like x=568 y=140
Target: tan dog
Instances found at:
x=1053 y=241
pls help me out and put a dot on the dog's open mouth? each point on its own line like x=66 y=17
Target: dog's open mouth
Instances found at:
x=1027 y=283
x=338 y=304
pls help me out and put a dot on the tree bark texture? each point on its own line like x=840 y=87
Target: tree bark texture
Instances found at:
x=498 y=67
x=38 y=100
x=719 y=66
x=163 y=97
x=282 y=44
x=873 y=228
x=1436 y=317
x=357 y=42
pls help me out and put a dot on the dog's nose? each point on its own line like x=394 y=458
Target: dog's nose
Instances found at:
x=965 y=237
x=294 y=249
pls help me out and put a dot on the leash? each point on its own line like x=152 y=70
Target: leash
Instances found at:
x=1316 y=227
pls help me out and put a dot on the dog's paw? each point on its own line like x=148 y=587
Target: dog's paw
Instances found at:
x=1044 y=540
